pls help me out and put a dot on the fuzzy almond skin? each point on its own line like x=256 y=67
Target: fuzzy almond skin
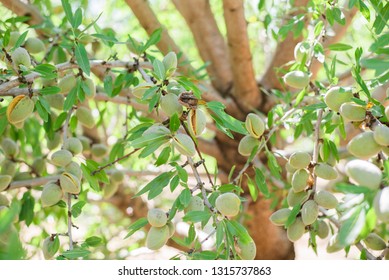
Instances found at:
x=296 y=79
x=325 y=171
x=99 y=150
x=156 y=217
x=375 y=242
x=67 y=83
x=363 y=145
x=280 y=217
x=157 y=237
x=55 y=101
x=247 y=144
x=85 y=117
x=20 y=108
x=9 y=147
x=34 y=45
x=184 y=144
x=300 y=180
x=294 y=198
x=195 y=204
x=364 y=173
x=228 y=204
x=51 y=195
x=61 y=158
x=381 y=135
x=20 y=56
x=5 y=180
x=296 y=230
x=196 y=122
x=326 y=199
x=381 y=205
x=323 y=229
x=302 y=49
x=352 y=112
x=170 y=105
x=299 y=160
x=246 y=251
x=254 y=125
x=73 y=145
x=69 y=183
x=309 y=212
x=337 y=96
x=117 y=176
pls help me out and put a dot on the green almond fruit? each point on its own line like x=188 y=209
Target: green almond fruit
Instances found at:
x=255 y=125
x=172 y=228
x=290 y=168
x=55 y=101
x=196 y=122
x=51 y=194
x=157 y=237
x=48 y=83
x=110 y=190
x=73 y=145
x=334 y=245
x=326 y=199
x=364 y=173
x=246 y=251
x=381 y=205
x=294 y=198
x=50 y=247
x=375 y=242
x=300 y=180
x=69 y=183
x=5 y=180
x=117 y=176
x=184 y=144
x=67 y=83
x=91 y=88
x=86 y=142
x=140 y=89
x=59 y=55
x=170 y=64
x=228 y=204
x=85 y=117
x=337 y=96
x=34 y=45
x=296 y=230
x=13 y=38
x=300 y=160
x=156 y=217
x=21 y=176
x=387 y=112
x=54 y=143
x=170 y=105
x=385 y=150
x=19 y=125
x=4 y=200
x=309 y=212
x=280 y=217
x=196 y=203
x=75 y=169
x=364 y=146
x=247 y=145
x=21 y=57
x=322 y=229
x=99 y=150
x=301 y=50
x=381 y=135
x=61 y=158
x=20 y=108
x=352 y=112
x=325 y=171
x=297 y=79
x=9 y=147
x=8 y=168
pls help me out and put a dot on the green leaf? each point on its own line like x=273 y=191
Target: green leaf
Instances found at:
x=27 y=210
x=155 y=37
x=108 y=86
x=42 y=111
x=252 y=189
x=339 y=16
x=274 y=167
x=77 y=208
x=185 y=197
x=46 y=71
x=205 y=255
x=293 y=214
x=68 y=11
x=339 y=47
x=351 y=228
x=136 y=226
x=50 y=90
x=196 y=216
x=77 y=19
x=163 y=156
x=93 y=241
x=174 y=183
x=76 y=253
x=82 y=58
x=260 y=180
x=158 y=182
x=348 y=188
x=20 y=40
x=174 y=123
x=364 y=10
x=238 y=230
x=93 y=182
x=71 y=99
x=159 y=69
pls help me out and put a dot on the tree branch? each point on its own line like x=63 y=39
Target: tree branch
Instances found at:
x=209 y=41
x=246 y=91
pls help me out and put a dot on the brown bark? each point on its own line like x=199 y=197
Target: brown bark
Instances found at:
x=245 y=89
x=209 y=41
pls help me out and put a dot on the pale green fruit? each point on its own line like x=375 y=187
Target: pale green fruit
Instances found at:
x=322 y=229
x=21 y=176
x=67 y=83
x=73 y=145
x=75 y=169
x=302 y=49
x=54 y=143
x=387 y=112
x=246 y=251
x=19 y=125
x=172 y=228
x=110 y=190
x=184 y=144
x=157 y=237
x=61 y=158
x=170 y=63
x=34 y=45
x=195 y=204
x=296 y=79
x=117 y=176
x=86 y=142
x=13 y=37
x=363 y=145
x=140 y=89
x=20 y=108
x=99 y=150
x=69 y=183
x=336 y=96
x=309 y=212
x=228 y=204
x=381 y=135
x=334 y=245
x=5 y=180
x=92 y=88
x=51 y=194
x=299 y=160
x=86 y=39
x=300 y=180
x=9 y=147
x=294 y=198
x=3 y=200
x=55 y=101
x=156 y=217
x=8 y=168
x=170 y=105
x=85 y=117
x=49 y=248
x=381 y=205
x=247 y=144
x=296 y=230
x=387 y=92
x=21 y=57
x=196 y=122
x=157 y=129
x=255 y=125
x=352 y=112
x=364 y=173
x=280 y=217
x=48 y=83
x=325 y=171
x=375 y=242
x=331 y=160
x=290 y=168
x=326 y=199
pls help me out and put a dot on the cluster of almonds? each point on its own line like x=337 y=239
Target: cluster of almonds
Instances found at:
x=300 y=165
x=160 y=231
x=116 y=178
x=256 y=127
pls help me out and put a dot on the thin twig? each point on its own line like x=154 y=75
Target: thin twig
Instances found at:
x=113 y=162
x=70 y=224
x=316 y=147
